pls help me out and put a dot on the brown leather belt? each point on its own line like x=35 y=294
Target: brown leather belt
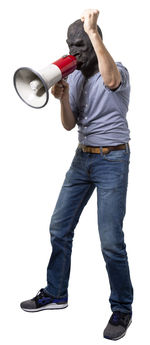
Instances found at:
x=105 y=149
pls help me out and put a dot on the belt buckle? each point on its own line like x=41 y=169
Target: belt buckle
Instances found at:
x=106 y=150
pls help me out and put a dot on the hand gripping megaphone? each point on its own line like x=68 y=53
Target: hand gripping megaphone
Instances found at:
x=33 y=87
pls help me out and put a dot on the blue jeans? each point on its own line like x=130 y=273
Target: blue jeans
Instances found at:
x=109 y=174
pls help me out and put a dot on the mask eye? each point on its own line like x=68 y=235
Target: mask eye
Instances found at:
x=69 y=44
x=79 y=44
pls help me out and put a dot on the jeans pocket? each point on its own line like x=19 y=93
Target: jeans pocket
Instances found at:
x=117 y=156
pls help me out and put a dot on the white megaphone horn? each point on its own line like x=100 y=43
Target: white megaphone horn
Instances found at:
x=32 y=87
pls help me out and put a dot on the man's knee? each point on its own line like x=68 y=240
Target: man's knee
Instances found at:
x=113 y=248
x=61 y=231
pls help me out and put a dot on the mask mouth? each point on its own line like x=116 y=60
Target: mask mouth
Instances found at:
x=78 y=57
x=76 y=54
x=81 y=60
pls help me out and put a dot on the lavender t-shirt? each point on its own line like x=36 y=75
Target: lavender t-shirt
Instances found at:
x=100 y=112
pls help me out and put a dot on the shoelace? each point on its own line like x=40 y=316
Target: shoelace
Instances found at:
x=116 y=316
x=119 y=318
x=41 y=293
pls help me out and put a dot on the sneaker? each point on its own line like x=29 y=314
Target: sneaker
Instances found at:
x=43 y=301
x=117 y=325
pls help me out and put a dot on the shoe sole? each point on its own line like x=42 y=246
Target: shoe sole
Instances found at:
x=51 y=306
x=121 y=335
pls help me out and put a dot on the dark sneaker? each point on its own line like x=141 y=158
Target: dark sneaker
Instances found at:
x=43 y=301
x=117 y=325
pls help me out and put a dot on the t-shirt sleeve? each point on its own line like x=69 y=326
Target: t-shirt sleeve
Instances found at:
x=125 y=82
x=72 y=93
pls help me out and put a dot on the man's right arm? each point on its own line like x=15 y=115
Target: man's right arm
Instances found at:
x=61 y=92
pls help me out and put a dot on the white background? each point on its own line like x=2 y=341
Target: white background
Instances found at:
x=36 y=152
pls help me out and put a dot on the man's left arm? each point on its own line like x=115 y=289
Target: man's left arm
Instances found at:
x=107 y=67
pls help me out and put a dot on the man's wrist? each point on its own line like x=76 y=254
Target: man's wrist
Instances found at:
x=94 y=34
x=96 y=41
x=64 y=100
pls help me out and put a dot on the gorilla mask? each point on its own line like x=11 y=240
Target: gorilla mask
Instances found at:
x=81 y=47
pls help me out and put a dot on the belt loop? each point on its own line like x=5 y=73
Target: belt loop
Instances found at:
x=127 y=147
x=101 y=150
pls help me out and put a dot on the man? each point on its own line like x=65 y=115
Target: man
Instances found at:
x=95 y=98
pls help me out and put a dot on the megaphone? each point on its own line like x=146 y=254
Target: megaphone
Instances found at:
x=33 y=87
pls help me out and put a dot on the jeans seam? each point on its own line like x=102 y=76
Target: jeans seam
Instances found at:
x=76 y=211
x=116 y=160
